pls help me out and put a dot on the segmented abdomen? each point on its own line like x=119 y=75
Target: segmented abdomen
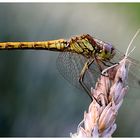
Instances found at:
x=56 y=45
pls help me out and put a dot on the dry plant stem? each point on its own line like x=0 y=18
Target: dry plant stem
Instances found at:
x=109 y=91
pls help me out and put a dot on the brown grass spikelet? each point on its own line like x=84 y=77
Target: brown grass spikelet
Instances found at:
x=109 y=92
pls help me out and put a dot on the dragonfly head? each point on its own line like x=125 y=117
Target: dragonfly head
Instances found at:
x=107 y=52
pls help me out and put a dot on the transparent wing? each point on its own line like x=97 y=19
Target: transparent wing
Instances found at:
x=134 y=70
x=70 y=65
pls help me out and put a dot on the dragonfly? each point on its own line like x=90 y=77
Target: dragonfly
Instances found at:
x=82 y=58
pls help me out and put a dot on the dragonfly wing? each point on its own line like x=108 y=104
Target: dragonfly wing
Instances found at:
x=134 y=70
x=134 y=74
x=134 y=81
x=68 y=68
x=70 y=65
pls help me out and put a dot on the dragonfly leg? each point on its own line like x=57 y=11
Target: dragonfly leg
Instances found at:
x=98 y=64
x=81 y=78
x=105 y=70
x=105 y=64
x=112 y=63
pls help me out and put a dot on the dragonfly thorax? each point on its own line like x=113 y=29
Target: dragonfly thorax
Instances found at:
x=88 y=46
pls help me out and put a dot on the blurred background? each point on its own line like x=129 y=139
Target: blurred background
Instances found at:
x=35 y=100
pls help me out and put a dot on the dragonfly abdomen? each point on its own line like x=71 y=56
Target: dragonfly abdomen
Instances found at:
x=55 y=45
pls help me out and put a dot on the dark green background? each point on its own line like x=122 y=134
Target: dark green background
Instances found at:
x=34 y=98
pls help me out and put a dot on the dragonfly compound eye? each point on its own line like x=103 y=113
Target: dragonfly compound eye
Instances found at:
x=110 y=49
